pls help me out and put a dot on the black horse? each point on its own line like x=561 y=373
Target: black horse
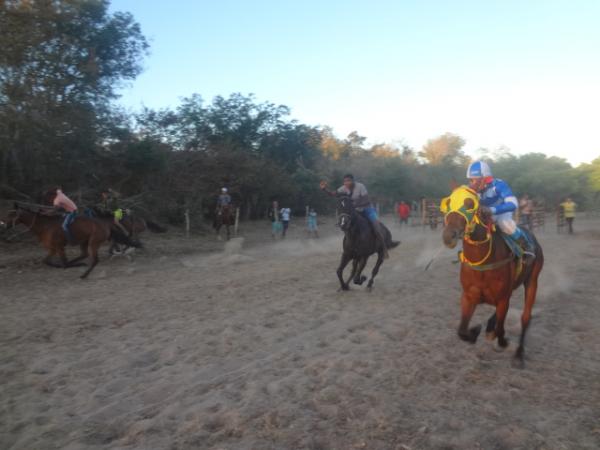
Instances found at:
x=359 y=243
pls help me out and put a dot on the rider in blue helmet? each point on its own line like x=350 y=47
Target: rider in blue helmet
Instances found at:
x=497 y=196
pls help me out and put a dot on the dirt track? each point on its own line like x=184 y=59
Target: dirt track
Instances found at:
x=254 y=348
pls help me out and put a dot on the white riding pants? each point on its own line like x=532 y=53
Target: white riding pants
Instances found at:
x=506 y=222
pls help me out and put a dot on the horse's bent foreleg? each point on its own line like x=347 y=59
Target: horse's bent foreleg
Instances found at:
x=63 y=257
x=501 y=310
x=359 y=278
x=340 y=270
x=81 y=257
x=353 y=273
x=490 y=329
x=48 y=259
x=530 y=293
x=375 y=270
x=467 y=310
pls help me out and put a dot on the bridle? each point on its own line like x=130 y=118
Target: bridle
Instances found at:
x=345 y=215
x=472 y=220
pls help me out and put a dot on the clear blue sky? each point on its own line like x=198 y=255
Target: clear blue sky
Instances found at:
x=524 y=74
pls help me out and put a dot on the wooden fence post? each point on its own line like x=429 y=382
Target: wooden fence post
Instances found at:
x=187 y=223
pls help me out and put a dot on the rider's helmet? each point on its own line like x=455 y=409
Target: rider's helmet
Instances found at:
x=224 y=190
x=479 y=169
x=479 y=175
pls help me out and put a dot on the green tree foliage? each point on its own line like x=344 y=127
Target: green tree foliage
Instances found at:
x=548 y=178
x=60 y=63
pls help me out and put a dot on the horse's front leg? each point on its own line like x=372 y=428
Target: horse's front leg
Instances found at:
x=501 y=310
x=48 y=259
x=84 y=254
x=375 y=271
x=346 y=258
x=359 y=278
x=467 y=309
x=353 y=273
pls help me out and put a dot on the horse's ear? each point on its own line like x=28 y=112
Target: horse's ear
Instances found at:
x=469 y=203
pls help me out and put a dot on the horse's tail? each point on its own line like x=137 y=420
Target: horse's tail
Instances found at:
x=154 y=227
x=393 y=244
x=117 y=235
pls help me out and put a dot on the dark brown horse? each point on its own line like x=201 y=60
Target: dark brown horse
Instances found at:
x=131 y=224
x=225 y=216
x=489 y=270
x=89 y=234
x=359 y=244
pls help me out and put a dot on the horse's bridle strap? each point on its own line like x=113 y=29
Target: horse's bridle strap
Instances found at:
x=485 y=267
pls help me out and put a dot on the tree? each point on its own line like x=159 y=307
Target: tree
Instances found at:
x=60 y=64
x=445 y=149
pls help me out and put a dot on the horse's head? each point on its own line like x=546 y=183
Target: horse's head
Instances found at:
x=460 y=214
x=346 y=210
x=12 y=218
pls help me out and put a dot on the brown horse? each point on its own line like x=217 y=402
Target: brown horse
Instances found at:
x=225 y=217
x=489 y=270
x=86 y=232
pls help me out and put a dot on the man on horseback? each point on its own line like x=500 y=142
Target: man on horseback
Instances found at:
x=223 y=200
x=360 y=198
x=110 y=204
x=498 y=199
x=65 y=205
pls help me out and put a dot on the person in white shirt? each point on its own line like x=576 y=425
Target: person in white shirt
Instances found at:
x=285 y=214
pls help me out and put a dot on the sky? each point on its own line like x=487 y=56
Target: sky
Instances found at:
x=520 y=74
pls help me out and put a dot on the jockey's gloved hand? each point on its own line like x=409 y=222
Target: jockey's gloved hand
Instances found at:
x=485 y=212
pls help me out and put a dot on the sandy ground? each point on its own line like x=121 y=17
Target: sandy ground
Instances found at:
x=251 y=346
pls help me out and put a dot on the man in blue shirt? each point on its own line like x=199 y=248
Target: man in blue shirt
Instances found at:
x=497 y=196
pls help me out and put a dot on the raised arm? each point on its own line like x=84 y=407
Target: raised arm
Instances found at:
x=324 y=187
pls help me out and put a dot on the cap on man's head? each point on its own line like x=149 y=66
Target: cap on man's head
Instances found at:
x=479 y=169
x=349 y=176
x=224 y=190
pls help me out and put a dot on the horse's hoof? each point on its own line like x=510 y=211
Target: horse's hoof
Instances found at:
x=501 y=344
x=474 y=333
x=490 y=335
x=344 y=288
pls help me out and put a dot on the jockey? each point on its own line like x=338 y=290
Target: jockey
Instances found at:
x=110 y=204
x=63 y=203
x=224 y=199
x=360 y=198
x=498 y=198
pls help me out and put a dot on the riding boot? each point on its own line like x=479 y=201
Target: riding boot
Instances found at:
x=528 y=248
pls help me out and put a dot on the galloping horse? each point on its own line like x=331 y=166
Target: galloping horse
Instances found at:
x=86 y=232
x=133 y=225
x=359 y=244
x=489 y=271
x=226 y=217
